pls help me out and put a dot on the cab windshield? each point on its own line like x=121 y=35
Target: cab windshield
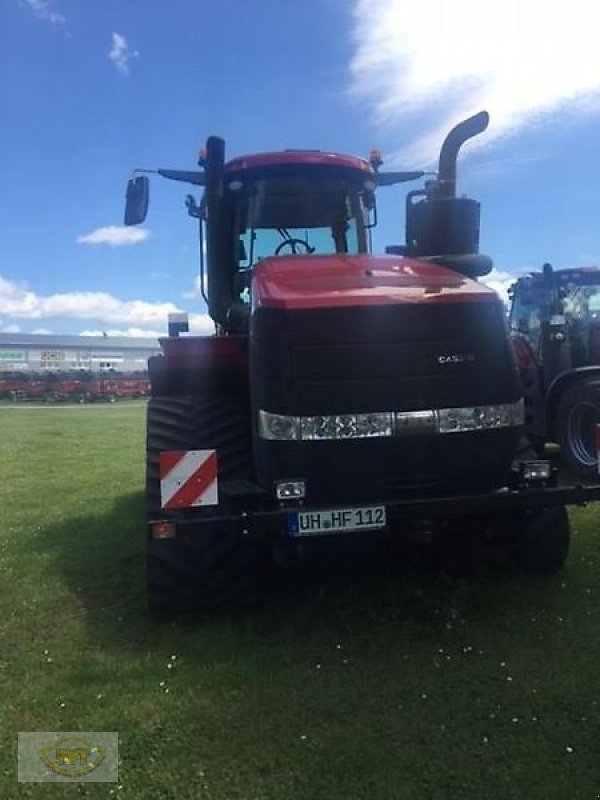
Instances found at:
x=298 y=216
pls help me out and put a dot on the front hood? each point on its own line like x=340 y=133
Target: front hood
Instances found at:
x=295 y=282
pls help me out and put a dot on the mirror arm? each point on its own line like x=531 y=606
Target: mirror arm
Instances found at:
x=143 y=172
x=390 y=178
x=186 y=176
x=196 y=178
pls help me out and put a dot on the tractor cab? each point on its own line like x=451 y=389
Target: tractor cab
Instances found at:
x=299 y=203
x=307 y=203
x=293 y=203
x=557 y=312
x=555 y=328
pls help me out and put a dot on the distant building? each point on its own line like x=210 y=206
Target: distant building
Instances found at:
x=27 y=352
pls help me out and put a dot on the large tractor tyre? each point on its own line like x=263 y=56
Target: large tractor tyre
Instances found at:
x=577 y=415
x=209 y=570
x=528 y=542
x=541 y=546
x=212 y=569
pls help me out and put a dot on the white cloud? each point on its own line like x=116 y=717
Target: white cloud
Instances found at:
x=200 y=325
x=499 y=281
x=10 y=329
x=114 y=235
x=42 y=331
x=43 y=10
x=19 y=302
x=449 y=59
x=120 y=53
x=195 y=291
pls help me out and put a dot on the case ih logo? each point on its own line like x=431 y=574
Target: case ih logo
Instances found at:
x=72 y=757
x=188 y=478
x=456 y=358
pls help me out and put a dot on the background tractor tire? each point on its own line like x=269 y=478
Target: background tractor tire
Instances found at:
x=535 y=542
x=527 y=542
x=577 y=415
x=543 y=546
x=214 y=568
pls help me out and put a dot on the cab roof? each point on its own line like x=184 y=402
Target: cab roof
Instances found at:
x=297 y=157
x=565 y=275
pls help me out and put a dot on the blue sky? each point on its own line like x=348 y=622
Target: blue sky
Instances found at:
x=89 y=91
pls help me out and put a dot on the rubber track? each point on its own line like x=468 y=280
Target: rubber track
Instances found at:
x=208 y=569
x=197 y=422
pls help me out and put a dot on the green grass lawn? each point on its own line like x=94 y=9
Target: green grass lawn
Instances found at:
x=400 y=684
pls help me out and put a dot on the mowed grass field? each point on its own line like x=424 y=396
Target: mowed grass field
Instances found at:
x=399 y=683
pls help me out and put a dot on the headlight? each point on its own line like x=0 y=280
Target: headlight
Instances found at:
x=329 y=426
x=535 y=471
x=388 y=423
x=277 y=426
x=346 y=426
x=477 y=418
x=290 y=490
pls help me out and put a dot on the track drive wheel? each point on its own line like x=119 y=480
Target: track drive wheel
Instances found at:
x=577 y=415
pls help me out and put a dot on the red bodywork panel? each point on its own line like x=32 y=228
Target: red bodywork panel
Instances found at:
x=524 y=355
x=206 y=352
x=296 y=282
x=331 y=281
x=295 y=157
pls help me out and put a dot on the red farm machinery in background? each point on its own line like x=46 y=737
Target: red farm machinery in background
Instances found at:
x=72 y=387
x=555 y=325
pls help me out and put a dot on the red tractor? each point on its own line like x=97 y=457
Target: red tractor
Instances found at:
x=344 y=394
x=555 y=324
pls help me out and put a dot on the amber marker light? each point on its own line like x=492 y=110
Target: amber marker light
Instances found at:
x=162 y=530
x=375 y=159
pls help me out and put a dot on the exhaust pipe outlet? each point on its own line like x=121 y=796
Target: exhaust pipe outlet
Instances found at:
x=460 y=134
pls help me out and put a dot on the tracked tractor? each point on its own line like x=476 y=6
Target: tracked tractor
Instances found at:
x=344 y=394
x=555 y=324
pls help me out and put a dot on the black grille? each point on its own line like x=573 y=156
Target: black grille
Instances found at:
x=379 y=359
x=383 y=359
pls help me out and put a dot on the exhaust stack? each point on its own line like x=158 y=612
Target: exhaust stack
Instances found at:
x=460 y=134
x=441 y=226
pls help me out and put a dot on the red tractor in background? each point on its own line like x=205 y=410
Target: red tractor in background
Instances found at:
x=344 y=394
x=555 y=324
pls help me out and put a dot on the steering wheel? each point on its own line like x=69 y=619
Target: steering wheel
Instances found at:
x=293 y=244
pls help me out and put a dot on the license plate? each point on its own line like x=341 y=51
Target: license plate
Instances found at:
x=338 y=520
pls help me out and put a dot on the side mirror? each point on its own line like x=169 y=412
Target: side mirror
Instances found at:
x=136 y=202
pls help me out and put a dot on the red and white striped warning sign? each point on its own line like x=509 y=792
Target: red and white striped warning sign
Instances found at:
x=188 y=478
